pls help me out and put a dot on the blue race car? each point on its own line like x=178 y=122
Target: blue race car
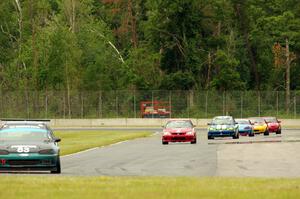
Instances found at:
x=245 y=127
x=223 y=126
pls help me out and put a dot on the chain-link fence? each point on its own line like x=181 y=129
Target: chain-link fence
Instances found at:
x=128 y=103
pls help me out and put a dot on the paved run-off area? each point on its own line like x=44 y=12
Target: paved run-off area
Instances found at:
x=271 y=156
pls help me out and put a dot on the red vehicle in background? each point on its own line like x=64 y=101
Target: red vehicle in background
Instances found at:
x=155 y=109
x=179 y=130
x=274 y=125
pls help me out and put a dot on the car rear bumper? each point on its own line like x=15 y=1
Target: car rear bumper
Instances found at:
x=223 y=133
x=178 y=138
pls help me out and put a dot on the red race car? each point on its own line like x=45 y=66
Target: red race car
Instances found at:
x=274 y=125
x=179 y=130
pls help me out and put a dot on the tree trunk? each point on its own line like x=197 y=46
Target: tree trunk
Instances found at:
x=287 y=76
x=240 y=11
x=133 y=24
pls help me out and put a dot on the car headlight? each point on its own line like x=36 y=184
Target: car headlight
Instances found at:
x=4 y=152
x=190 y=133
x=167 y=133
x=47 y=151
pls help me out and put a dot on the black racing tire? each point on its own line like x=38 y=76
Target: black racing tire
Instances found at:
x=57 y=169
x=165 y=143
x=266 y=133
x=237 y=136
x=279 y=131
x=251 y=135
x=194 y=142
x=210 y=137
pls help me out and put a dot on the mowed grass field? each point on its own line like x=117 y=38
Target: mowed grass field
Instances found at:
x=60 y=187
x=75 y=141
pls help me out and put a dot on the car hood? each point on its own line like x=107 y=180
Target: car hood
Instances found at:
x=222 y=127
x=12 y=146
x=259 y=124
x=178 y=130
x=273 y=124
x=242 y=126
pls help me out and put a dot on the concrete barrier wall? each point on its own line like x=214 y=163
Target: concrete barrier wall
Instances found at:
x=139 y=122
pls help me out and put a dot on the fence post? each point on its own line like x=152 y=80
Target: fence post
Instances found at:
x=27 y=103
x=117 y=107
x=134 y=104
x=223 y=102
x=295 y=106
x=187 y=103
x=100 y=104
x=64 y=104
x=259 y=103
x=277 y=103
x=152 y=100
x=242 y=104
x=206 y=104
x=82 y=104
x=46 y=104
x=170 y=103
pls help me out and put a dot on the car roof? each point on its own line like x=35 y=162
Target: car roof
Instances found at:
x=223 y=117
x=242 y=119
x=24 y=124
x=179 y=119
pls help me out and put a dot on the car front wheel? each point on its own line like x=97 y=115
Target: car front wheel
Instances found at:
x=165 y=143
x=57 y=169
x=236 y=136
x=266 y=133
x=279 y=131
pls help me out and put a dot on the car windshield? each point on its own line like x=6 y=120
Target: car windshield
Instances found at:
x=257 y=120
x=271 y=120
x=242 y=121
x=222 y=121
x=179 y=124
x=23 y=134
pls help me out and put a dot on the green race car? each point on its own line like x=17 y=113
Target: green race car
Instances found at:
x=28 y=146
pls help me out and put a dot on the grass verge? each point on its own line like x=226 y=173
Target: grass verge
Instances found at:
x=27 y=187
x=75 y=141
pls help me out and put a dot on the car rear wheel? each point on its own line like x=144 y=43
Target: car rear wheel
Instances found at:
x=57 y=169
x=279 y=131
x=164 y=143
x=194 y=142
x=266 y=133
x=251 y=135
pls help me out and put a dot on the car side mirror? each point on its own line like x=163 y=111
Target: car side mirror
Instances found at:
x=57 y=139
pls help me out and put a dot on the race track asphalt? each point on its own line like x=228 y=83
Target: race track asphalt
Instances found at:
x=261 y=156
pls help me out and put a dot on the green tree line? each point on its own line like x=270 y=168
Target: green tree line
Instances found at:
x=149 y=44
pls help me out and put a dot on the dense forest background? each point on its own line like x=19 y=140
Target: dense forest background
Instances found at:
x=149 y=44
